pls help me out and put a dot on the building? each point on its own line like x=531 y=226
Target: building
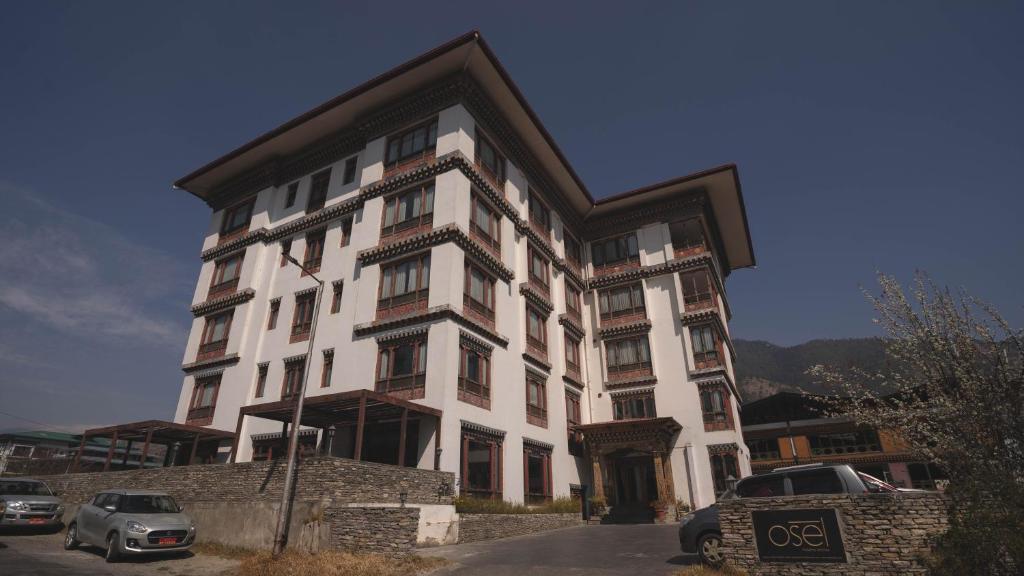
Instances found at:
x=481 y=312
x=788 y=428
x=44 y=452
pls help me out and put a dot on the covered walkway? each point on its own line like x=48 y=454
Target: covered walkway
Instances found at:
x=201 y=443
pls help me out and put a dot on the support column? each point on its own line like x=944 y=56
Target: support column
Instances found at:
x=78 y=456
x=598 y=478
x=238 y=435
x=195 y=446
x=110 y=451
x=401 y=436
x=670 y=483
x=360 y=424
x=659 y=475
x=127 y=451
x=145 y=449
x=437 y=445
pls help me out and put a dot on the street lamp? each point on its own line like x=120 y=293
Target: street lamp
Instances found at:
x=285 y=512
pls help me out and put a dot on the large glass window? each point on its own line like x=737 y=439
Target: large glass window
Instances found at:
x=237 y=217
x=625 y=301
x=697 y=291
x=536 y=400
x=628 y=355
x=616 y=251
x=705 y=346
x=536 y=331
x=485 y=224
x=402 y=366
x=634 y=406
x=481 y=466
x=490 y=160
x=479 y=291
x=404 y=282
x=475 y=377
x=409 y=209
x=687 y=235
x=538 y=474
x=411 y=143
x=318 y=191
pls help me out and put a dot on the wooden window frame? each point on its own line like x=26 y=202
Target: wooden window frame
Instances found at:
x=599 y=255
x=416 y=298
x=413 y=224
x=203 y=415
x=291 y=194
x=313 y=257
x=639 y=368
x=574 y=417
x=394 y=157
x=761 y=448
x=319 y=186
x=689 y=248
x=412 y=384
x=541 y=343
x=477 y=393
x=704 y=357
x=573 y=250
x=302 y=316
x=494 y=448
x=346 y=232
x=716 y=417
x=543 y=283
x=336 y=298
x=696 y=297
x=291 y=383
x=491 y=236
x=497 y=174
x=544 y=455
x=720 y=470
x=275 y=310
x=227 y=229
x=209 y=348
x=637 y=309
x=538 y=213
x=572 y=355
x=484 y=310
x=326 y=371
x=218 y=285
x=573 y=302
x=624 y=407
x=537 y=414
x=349 y=174
x=261 y=381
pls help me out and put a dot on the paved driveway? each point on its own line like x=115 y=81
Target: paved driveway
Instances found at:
x=633 y=550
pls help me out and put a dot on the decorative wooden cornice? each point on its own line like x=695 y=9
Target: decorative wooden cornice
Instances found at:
x=537 y=444
x=442 y=312
x=710 y=317
x=435 y=237
x=538 y=361
x=630 y=382
x=633 y=392
x=249 y=238
x=719 y=380
x=635 y=274
x=571 y=274
x=629 y=329
x=690 y=204
x=576 y=384
x=322 y=216
x=306 y=291
x=411 y=334
x=571 y=326
x=481 y=429
x=473 y=343
x=223 y=303
x=729 y=448
x=225 y=360
x=294 y=359
x=539 y=301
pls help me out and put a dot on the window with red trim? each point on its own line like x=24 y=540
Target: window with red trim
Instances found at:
x=572 y=355
x=687 y=236
x=491 y=162
x=405 y=282
x=275 y=307
x=412 y=143
x=614 y=252
x=481 y=465
x=336 y=298
x=402 y=366
x=261 y=381
x=540 y=216
x=215 y=335
x=536 y=400
x=236 y=218
x=318 y=191
x=537 y=474
x=478 y=292
x=328 y=369
x=409 y=210
x=302 y=319
x=538 y=268
x=624 y=302
x=633 y=406
x=628 y=357
x=484 y=222
x=707 y=346
x=697 y=290
x=573 y=252
x=536 y=329
x=292 y=383
x=573 y=417
x=474 y=377
x=314 y=251
x=204 y=401
x=225 y=275
x=572 y=302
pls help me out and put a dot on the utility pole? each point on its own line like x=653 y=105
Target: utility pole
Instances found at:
x=285 y=513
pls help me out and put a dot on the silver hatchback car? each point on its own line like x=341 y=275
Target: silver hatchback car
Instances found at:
x=131 y=522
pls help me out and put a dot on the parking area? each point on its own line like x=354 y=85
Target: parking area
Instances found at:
x=29 y=553
x=634 y=550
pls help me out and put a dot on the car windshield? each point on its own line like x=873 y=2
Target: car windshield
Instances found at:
x=148 y=504
x=875 y=485
x=23 y=488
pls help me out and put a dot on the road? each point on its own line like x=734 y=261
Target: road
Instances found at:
x=603 y=550
x=31 y=554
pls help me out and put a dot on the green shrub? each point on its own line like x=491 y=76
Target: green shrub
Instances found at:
x=470 y=505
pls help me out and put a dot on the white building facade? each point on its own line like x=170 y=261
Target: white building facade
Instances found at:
x=481 y=313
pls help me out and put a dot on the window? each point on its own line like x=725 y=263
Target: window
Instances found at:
x=314 y=251
x=479 y=291
x=687 y=235
x=325 y=375
x=536 y=400
x=286 y=250
x=402 y=366
x=275 y=307
x=697 y=292
x=537 y=466
x=215 y=335
x=536 y=331
x=627 y=356
x=572 y=301
x=346 y=232
x=573 y=417
x=763 y=448
x=204 y=400
x=540 y=218
x=616 y=251
x=705 y=347
x=823 y=481
x=350 y=170
x=633 y=406
x=490 y=160
x=484 y=222
x=481 y=465
x=762 y=486
x=292 y=383
x=225 y=275
x=474 y=377
x=573 y=252
x=236 y=219
x=277 y=447
x=538 y=268
x=844 y=443
x=411 y=143
x=712 y=405
x=405 y=282
x=293 y=191
x=318 y=191
x=261 y=381
x=408 y=210
x=302 y=319
x=336 y=298
x=572 y=355
x=722 y=467
x=622 y=303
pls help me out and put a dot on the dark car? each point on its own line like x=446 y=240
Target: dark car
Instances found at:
x=701 y=533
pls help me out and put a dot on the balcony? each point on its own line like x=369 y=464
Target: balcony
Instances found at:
x=705 y=360
x=402 y=305
x=409 y=387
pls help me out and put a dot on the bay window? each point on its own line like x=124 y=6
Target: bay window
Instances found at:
x=225 y=275
x=409 y=210
x=215 y=335
x=536 y=400
x=478 y=295
x=623 y=303
x=491 y=162
x=628 y=357
x=204 y=401
x=706 y=343
x=633 y=406
x=697 y=291
x=484 y=222
x=617 y=251
x=406 y=282
x=474 y=377
x=402 y=367
x=418 y=142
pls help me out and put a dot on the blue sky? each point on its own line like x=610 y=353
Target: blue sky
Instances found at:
x=869 y=136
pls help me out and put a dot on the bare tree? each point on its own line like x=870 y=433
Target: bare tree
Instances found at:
x=953 y=389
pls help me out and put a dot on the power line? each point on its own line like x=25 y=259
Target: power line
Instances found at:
x=36 y=422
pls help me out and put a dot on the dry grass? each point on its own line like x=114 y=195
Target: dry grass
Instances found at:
x=333 y=563
x=701 y=570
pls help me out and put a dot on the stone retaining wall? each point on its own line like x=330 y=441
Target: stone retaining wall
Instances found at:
x=882 y=533
x=477 y=527
x=390 y=531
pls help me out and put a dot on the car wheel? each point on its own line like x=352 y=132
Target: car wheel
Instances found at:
x=71 y=540
x=709 y=547
x=113 y=550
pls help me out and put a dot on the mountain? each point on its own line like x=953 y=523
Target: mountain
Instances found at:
x=763 y=368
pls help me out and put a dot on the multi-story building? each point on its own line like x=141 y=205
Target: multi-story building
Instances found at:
x=481 y=313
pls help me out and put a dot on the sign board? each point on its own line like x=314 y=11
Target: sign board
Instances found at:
x=798 y=536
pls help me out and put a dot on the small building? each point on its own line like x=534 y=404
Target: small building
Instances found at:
x=788 y=428
x=38 y=452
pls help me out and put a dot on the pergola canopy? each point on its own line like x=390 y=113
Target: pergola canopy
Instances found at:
x=152 y=432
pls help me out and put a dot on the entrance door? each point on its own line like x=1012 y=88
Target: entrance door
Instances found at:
x=635 y=482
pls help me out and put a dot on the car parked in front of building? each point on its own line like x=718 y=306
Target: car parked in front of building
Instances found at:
x=31 y=503
x=700 y=531
x=128 y=522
